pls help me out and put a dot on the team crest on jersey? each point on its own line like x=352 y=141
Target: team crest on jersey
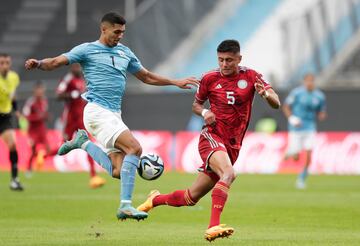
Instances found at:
x=121 y=53
x=242 y=83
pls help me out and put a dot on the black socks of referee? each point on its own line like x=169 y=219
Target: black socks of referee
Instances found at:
x=14 y=164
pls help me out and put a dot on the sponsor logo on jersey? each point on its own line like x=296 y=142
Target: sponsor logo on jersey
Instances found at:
x=218 y=86
x=242 y=84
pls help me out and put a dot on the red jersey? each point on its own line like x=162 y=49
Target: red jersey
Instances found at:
x=231 y=101
x=36 y=112
x=74 y=107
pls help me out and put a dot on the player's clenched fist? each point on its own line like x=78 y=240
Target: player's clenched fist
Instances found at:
x=31 y=64
x=209 y=117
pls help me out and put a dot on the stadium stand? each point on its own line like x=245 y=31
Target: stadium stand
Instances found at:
x=44 y=33
x=25 y=26
x=246 y=19
x=329 y=27
x=281 y=39
x=139 y=35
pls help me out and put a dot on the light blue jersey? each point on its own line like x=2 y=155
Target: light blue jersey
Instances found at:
x=305 y=105
x=104 y=70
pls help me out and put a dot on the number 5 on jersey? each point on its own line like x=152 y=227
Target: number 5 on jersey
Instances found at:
x=230 y=97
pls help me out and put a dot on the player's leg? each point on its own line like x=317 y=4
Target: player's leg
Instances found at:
x=82 y=141
x=294 y=146
x=127 y=143
x=32 y=155
x=220 y=163
x=95 y=180
x=307 y=142
x=188 y=197
x=71 y=126
x=92 y=171
x=9 y=138
x=40 y=138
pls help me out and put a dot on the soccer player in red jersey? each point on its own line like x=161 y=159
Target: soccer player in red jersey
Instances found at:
x=230 y=91
x=70 y=89
x=36 y=112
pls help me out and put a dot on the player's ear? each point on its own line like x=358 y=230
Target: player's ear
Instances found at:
x=240 y=57
x=103 y=27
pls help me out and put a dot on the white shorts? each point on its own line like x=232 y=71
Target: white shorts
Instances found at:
x=298 y=141
x=104 y=125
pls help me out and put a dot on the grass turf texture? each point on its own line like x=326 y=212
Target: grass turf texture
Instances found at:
x=59 y=209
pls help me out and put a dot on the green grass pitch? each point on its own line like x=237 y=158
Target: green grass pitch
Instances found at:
x=60 y=209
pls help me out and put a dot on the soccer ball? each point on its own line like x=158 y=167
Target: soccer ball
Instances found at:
x=151 y=167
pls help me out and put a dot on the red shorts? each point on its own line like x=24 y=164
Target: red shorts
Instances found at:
x=208 y=144
x=38 y=137
x=72 y=127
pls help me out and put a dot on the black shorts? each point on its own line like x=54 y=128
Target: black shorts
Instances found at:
x=6 y=122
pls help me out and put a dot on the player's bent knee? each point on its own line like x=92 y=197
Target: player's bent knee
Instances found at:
x=229 y=176
x=12 y=146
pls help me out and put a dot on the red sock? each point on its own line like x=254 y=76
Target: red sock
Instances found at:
x=92 y=166
x=219 y=196
x=176 y=199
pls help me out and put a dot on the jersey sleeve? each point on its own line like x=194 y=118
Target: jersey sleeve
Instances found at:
x=134 y=64
x=27 y=108
x=28 y=111
x=202 y=92
x=77 y=54
x=63 y=84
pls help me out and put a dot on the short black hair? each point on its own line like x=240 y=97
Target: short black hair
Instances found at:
x=229 y=45
x=4 y=54
x=39 y=83
x=113 y=18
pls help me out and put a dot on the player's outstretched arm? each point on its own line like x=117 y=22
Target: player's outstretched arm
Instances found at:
x=286 y=110
x=46 y=64
x=155 y=79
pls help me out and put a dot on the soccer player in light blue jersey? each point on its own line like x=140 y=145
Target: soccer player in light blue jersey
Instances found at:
x=105 y=63
x=303 y=107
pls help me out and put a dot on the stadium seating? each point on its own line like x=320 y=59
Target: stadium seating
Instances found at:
x=245 y=21
x=44 y=26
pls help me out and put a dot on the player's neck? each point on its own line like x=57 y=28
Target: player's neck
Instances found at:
x=102 y=40
x=4 y=74
x=235 y=73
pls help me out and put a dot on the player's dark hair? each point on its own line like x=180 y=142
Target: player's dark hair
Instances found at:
x=4 y=54
x=113 y=18
x=39 y=83
x=229 y=45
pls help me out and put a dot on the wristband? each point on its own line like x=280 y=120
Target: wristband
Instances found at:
x=265 y=95
x=203 y=112
x=294 y=120
x=75 y=94
x=39 y=64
